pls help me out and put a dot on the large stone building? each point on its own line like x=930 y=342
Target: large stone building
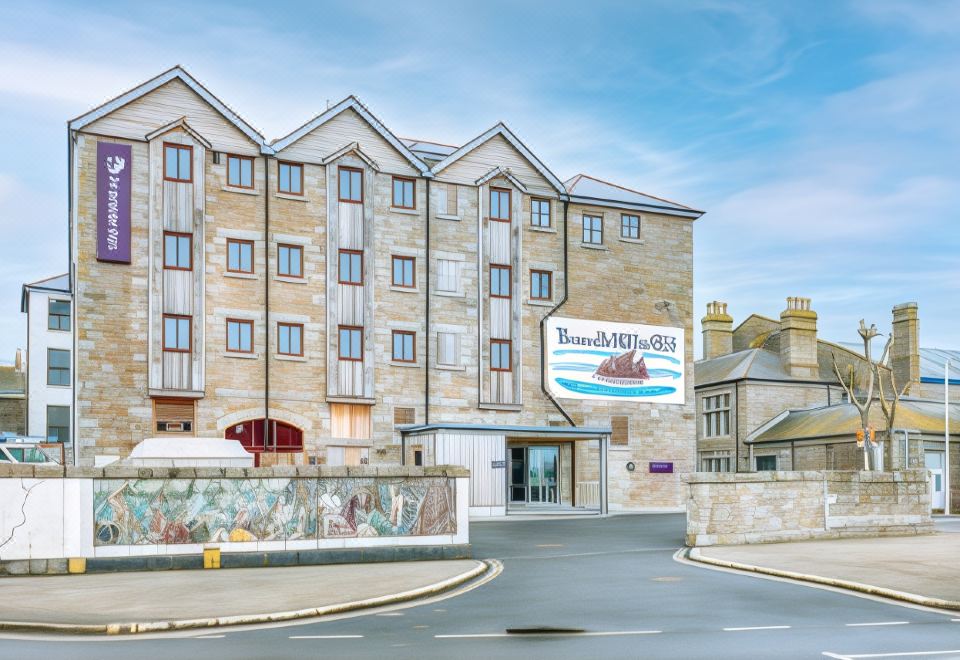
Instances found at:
x=341 y=295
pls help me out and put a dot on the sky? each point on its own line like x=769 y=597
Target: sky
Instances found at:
x=821 y=138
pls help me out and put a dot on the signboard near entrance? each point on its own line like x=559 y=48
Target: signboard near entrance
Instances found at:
x=498 y=464
x=661 y=467
x=607 y=361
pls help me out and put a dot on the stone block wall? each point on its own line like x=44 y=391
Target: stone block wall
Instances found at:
x=769 y=507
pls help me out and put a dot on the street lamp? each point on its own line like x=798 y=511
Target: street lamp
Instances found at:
x=946 y=436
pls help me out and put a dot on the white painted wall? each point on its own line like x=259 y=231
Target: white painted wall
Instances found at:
x=40 y=338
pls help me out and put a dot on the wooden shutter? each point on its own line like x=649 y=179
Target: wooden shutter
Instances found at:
x=404 y=416
x=451 y=199
x=620 y=427
x=350 y=420
x=173 y=415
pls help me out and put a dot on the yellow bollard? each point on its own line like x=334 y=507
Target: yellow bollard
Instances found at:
x=211 y=557
x=77 y=565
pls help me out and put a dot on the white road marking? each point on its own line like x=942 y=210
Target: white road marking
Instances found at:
x=878 y=623
x=325 y=637
x=604 y=633
x=209 y=637
x=902 y=654
x=756 y=628
x=390 y=614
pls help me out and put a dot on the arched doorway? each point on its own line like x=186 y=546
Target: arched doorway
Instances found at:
x=284 y=438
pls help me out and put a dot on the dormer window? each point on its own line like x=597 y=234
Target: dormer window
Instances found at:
x=177 y=162
x=351 y=185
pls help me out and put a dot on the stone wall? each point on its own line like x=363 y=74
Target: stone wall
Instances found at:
x=769 y=507
x=13 y=415
x=56 y=512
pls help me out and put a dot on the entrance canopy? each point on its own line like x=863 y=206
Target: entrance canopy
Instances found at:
x=516 y=467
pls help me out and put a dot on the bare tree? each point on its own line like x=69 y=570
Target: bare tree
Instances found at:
x=862 y=407
x=889 y=408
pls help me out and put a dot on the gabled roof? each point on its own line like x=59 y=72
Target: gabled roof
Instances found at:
x=178 y=73
x=352 y=103
x=56 y=284
x=583 y=187
x=428 y=150
x=183 y=126
x=755 y=363
x=353 y=147
x=843 y=419
x=501 y=129
x=506 y=174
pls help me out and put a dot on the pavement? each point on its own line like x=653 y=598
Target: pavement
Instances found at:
x=144 y=601
x=569 y=588
x=916 y=569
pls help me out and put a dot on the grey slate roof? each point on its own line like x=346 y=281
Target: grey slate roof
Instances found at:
x=931 y=362
x=12 y=382
x=588 y=187
x=57 y=283
x=756 y=363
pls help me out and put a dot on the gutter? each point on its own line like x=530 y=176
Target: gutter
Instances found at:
x=426 y=344
x=74 y=440
x=543 y=344
x=266 y=280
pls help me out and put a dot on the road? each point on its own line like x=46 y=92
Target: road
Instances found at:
x=615 y=579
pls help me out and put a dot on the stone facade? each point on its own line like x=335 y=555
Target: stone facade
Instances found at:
x=117 y=305
x=770 y=507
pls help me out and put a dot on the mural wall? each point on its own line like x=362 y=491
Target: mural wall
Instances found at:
x=172 y=511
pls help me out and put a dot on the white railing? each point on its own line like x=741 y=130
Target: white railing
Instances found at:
x=588 y=493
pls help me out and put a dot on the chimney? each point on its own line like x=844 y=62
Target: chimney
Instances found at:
x=717 y=330
x=798 y=339
x=905 y=352
x=18 y=361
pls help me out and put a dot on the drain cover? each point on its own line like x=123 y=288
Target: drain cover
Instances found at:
x=544 y=630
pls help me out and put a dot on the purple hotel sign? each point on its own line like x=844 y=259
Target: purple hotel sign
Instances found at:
x=114 y=162
x=661 y=468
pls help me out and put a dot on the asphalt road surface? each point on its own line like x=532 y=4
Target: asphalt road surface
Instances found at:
x=615 y=580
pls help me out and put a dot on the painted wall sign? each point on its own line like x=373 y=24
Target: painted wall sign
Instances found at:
x=498 y=464
x=114 y=165
x=661 y=467
x=609 y=361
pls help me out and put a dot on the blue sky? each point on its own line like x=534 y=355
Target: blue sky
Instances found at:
x=821 y=138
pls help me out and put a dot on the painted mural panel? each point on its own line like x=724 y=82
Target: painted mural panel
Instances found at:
x=176 y=511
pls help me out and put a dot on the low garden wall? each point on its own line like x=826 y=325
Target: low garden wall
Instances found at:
x=767 y=507
x=51 y=513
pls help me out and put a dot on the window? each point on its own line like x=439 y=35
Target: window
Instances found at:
x=541 y=285
x=716 y=415
x=239 y=256
x=58 y=314
x=630 y=226
x=351 y=185
x=58 y=367
x=448 y=275
x=351 y=267
x=351 y=343
x=58 y=423
x=500 y=354
x=290 y=339
x=240 y=171
x=500 y=281
x=448 y=349
x=290 y=260
x=766 y=463
x=404 y=193
x=290 y=180
x=173 y=415
x=404 y=346
x=177 y=162
x=176 y=333
x=500 y=205
x=239 y=336
x=350 y=420
x=447 y=198
x=403 y=268
x=593 y=229
x=177 y=251
x=540 y=212
x=715 y=461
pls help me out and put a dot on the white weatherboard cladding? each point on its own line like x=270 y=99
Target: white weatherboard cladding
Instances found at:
x=477 y=453
x=576 y=348
x=167 y=104
x=497 y=151
x=346 y=128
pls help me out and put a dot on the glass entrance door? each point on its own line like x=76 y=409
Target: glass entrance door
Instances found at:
x=934 y=462
x=542 y=464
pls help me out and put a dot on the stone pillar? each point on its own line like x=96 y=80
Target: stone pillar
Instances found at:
x=798 y=339
x=905 y=352
x=717 y=330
